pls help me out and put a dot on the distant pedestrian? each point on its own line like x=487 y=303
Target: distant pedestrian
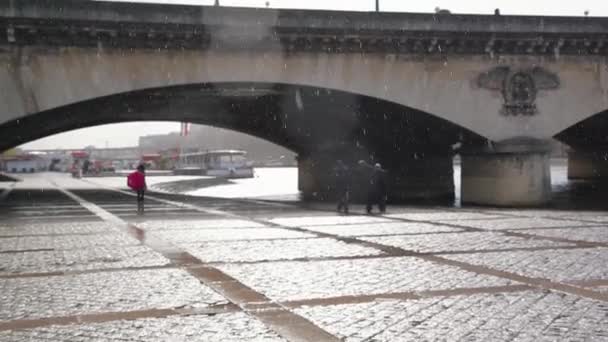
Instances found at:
x=85 y=166
x=377 y=187
x=343 y=177
x=137 y=182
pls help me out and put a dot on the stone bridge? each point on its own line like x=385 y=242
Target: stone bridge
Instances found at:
x=407 y=90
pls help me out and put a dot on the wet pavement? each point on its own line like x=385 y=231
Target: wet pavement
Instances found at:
x=78 y=264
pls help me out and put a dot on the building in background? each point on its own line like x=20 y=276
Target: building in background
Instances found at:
x=202 y=138
x=159 y=142
x=25 y=163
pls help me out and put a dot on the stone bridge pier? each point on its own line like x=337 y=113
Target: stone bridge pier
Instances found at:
x=506 y=174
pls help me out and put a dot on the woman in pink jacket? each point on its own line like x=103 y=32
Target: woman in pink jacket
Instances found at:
x=137 y=181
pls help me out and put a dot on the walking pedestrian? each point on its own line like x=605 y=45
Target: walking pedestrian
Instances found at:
x=137 y=182
x=85 y=167
x=342 y=176
x=377 y=188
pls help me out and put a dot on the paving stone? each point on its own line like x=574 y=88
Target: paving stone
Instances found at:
x=590 y=217
x=307 y=221
x=573 y=215
x=198 y=224
x=56 y=222
x=522 y=316
x=256 y=250
x=13 y=206
x=602 y=289
x=133 y=208
x=20 y=229
x=591 y=234
x=39 y=297
x=81 y=259
x=44 y=211
x=382 y=228
x=466 y=241
x=516 y=223
x=193 y=236
x=320 y=279
x=444 y=215
x=228 y=327
x=64 y=242
x=557 y=265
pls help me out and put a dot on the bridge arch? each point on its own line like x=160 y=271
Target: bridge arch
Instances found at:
x=41 y=79
x=587 y=134
x=320 y=125
x=300 y=118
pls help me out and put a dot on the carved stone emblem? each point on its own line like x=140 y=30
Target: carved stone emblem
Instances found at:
x=518 y=87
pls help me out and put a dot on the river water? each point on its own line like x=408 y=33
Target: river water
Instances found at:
x=282 y=184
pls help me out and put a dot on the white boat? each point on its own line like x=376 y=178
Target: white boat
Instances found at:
x=216 y=163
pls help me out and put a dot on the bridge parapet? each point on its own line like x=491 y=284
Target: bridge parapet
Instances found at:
x=89 y=23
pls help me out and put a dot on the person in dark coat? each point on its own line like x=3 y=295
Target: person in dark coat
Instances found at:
x=342 y=177
x=85 y=166
x=377 y=187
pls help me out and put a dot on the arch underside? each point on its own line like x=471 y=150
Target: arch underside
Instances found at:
x=589 y=134
x=302 y=119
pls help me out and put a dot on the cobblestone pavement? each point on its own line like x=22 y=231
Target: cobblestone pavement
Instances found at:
x=383 y=228
x=199 y=224
x=310 y=221
x=61 y=242
x=461 y=242
x=516 y=223
x=603 y=289
x=224 y=327
x=558 y=265
x=63 y=228
x=524 y=316
x=241 y=251
x=579 y=215
x=105 y=291
x=80 y=259
x=78 y=264
x=375 y=276
x=228 y=234
x=431 y=215
x=592 y=234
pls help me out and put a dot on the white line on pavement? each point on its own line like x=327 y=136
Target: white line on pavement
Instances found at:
x=94 y=208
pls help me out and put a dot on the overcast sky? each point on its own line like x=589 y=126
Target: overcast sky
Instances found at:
x=128 y=133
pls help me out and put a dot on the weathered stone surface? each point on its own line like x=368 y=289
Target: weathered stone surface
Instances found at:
x=347 y=297
x=303 y=280
x=525 y=316
x=232 y=327
x=101 y=292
